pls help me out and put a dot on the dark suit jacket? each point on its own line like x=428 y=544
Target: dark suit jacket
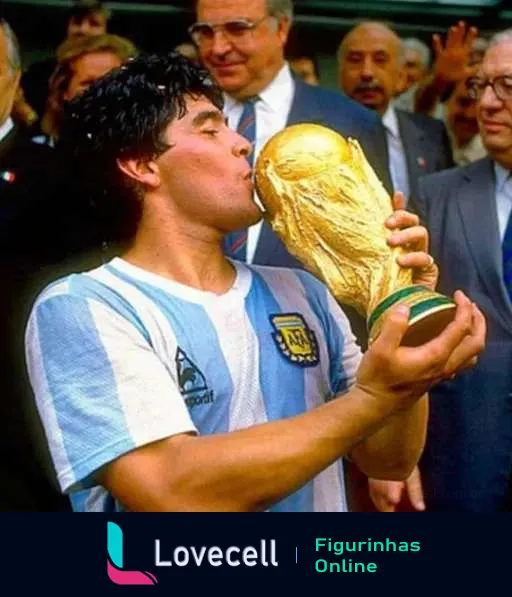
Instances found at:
x=27 y=241
x=427 y=148
x=468 y=458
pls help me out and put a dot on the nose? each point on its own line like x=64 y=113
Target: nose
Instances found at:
x=241 y=146
x=368 y=71
x=489 y=100
x=220 y=44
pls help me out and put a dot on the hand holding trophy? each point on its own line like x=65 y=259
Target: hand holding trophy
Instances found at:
x=325 y=202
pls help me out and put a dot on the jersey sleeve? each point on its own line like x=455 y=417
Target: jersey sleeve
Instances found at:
x=100 y=389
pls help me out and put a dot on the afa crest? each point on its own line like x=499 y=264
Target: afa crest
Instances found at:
x=295 y=340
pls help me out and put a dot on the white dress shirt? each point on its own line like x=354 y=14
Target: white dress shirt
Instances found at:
x=6 y=128
x=272 y=111
x=397 y=161
x=503 y=196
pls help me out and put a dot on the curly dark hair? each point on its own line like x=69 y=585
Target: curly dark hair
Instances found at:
x=124 y=115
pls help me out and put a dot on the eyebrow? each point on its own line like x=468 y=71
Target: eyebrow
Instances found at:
x=206 y=115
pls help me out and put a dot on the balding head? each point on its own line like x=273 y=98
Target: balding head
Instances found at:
x=371 y=65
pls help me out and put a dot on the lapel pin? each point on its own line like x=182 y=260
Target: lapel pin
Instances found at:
x=8 y=176
x=422 y=162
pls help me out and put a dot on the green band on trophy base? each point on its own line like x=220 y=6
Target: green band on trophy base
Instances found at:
x=429 y=312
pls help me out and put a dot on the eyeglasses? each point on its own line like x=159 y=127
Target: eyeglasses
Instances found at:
x=502 y=87
x=236 y=31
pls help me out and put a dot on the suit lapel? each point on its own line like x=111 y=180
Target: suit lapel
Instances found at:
x=267 y=243
x=477 y=206
x=413 y=142
x=305 y=107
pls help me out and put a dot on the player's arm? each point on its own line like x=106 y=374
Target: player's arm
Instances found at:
x=250 y=469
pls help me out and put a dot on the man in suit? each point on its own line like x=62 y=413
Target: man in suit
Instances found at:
x=467 y=464
x=86 y=18
x=371 y=69
x=25 y=469
x=242 y=44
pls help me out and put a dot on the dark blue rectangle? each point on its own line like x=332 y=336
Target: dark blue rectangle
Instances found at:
x=60 y=552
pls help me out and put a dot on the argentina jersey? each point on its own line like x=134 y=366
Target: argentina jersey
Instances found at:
x=119 y=357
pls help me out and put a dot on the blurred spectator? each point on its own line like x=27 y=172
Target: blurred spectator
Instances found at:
x=451 y=65
x=371 y=60
x=86 y=18
x=188 y=50
x=22 y=112
x=305 y=67
x=26 y=472
x=417 y=56
x=477 y=51
x=467 y=463
x=462 y=124
x=80 y=61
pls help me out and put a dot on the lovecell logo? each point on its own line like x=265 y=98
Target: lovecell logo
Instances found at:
x=115 y=561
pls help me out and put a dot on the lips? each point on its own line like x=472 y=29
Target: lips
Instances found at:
x=226 y=67
x=492 y=126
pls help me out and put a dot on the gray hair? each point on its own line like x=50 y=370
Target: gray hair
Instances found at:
x=503 y=37
x=280 y=8
x=415 y=44
x=13 y=47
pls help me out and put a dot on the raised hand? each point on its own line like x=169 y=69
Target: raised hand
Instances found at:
x=452 y=60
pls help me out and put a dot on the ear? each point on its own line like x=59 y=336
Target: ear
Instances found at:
x=283 y=29
x=144 y=172
x=401 y=80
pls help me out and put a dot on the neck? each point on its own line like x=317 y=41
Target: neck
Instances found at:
x=180 y=251
x=504 y=161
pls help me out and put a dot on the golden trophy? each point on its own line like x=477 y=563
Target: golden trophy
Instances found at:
x=325 y=202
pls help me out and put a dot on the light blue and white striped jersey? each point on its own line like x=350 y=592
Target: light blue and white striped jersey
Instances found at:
x=119 y=357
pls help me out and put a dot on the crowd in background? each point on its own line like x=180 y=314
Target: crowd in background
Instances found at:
x=424 y=116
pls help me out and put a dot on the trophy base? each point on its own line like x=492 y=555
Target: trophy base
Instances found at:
x=430 y=313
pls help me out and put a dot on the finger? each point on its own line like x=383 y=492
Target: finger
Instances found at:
x=393 y=330
x=453 y=38
x=383 y=505
x=437 y=45
x=466 y=354
x=418 y=260
x=414 y=238
x=415 y=490
x=386 y=495
x=398 y=201
x=402 y=219
x=470 y=37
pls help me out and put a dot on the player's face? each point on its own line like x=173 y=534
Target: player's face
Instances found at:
x=205 y=173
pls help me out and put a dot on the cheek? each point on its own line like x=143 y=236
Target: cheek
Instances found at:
x=350 y=78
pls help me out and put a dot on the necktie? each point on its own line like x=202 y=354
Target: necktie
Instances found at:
x=397 y=163
x=507 y=242
x=235 y=243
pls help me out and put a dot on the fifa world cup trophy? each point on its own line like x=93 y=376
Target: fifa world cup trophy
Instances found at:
x=325 y=202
